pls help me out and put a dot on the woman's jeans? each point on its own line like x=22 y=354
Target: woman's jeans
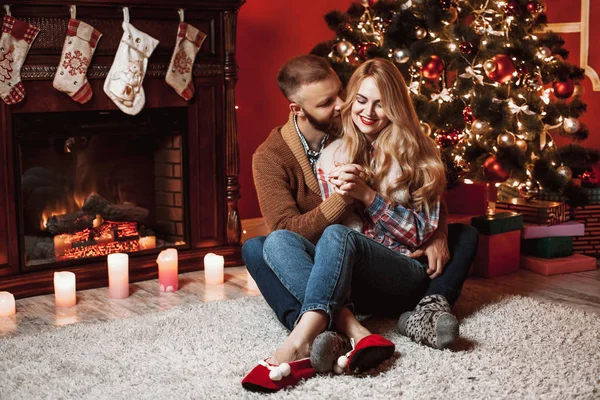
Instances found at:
x=345 y=266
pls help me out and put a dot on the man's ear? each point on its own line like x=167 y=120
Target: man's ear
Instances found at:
x=296 y=109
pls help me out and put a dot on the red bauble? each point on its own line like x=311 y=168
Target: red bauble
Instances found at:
x=534 y=7
x=493 y=171
x=448 y=138
x=466 y=48
x=589 y=179
x=512 y=8
x=504 y=69
x=433 y=68
x=372 y=2
x=563 y=89
x=362 y=49
x=468 y=115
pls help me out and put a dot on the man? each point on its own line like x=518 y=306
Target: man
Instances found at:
x=290 y=198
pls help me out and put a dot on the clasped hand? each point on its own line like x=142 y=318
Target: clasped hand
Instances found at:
x=349 y=180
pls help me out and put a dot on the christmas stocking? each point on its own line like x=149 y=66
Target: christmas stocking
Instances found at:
x=15 y=42
x=77 y=53
x=123 y=83
x=179 y=73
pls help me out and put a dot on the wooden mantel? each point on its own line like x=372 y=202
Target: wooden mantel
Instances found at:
x=212 y=163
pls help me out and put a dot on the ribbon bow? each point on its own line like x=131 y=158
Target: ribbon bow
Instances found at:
x=445 y=95
x=515 y=109
x=473 y=74
x=414 y=87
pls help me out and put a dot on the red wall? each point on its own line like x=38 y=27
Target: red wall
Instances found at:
x=272 y=31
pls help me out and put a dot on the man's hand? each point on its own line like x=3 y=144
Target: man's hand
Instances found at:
x=436 y=250
x=349 y=180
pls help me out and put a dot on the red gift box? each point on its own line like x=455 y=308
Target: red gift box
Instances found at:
x=469 y=198
x=562 y=265
x=498 y=254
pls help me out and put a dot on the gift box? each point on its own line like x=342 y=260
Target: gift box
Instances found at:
x=498 y=223
x=537 y=211
x=551 y=196
x=593 y=195
x=589 y=242
x=469 y=198
x=569 y=228
x=551 y=247
x=497 y=254
x=563 y=265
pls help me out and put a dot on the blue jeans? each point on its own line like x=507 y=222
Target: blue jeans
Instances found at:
x=296 y=276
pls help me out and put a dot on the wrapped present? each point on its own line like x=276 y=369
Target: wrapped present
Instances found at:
x=563 y=265
x=498 y=223
x=537 y=211
x=550 y=247
x=497 y=254
x=569 y=228
x=469 y=198
x=506 y=192
x=589 y=242
x=551 y=196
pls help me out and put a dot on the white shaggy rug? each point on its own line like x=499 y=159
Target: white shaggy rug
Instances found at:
x=513 y=348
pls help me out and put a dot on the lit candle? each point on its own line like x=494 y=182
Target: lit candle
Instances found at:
x=251 y=282
x=213 y=269
x=64 y=289
x=118 y=275
x=7 y=304
x=167 y=270
x=148 y=242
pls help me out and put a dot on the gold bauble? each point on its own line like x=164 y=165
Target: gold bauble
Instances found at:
x=490 y=65
x=566 y=172
x=528 y=190
x=571 y=125
x=521 y=145
x=506 y=139
x=453 y=14
x=578 y=90
x=420 y=32
x=545 y=51
x=344 y=48
x=401 y=55
x=480 y=127
x=426 y=128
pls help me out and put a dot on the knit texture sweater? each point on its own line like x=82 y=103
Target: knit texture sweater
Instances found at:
x=288 y=191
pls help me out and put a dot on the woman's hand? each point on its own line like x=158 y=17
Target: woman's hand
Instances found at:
x=349 y=180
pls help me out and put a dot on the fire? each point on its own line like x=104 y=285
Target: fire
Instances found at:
x=50 y=213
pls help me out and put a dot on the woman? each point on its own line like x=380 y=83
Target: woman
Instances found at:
x=394 y=175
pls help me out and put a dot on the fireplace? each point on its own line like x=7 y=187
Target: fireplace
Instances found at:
x=100 y=182
x=83 y=181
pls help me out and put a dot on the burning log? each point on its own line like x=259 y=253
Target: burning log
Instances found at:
x=127 y=212
x=70 y=222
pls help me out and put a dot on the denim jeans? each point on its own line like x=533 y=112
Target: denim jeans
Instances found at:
x=295 y=276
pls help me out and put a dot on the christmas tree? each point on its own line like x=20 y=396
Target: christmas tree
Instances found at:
x=490 y=86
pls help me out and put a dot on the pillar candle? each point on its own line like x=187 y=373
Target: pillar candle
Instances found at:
x=118 y=275
x=7 y=304
x=167 y=270
x=64 y=289
x=213 y=269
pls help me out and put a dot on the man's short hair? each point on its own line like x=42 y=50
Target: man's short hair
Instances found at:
x=302 y=70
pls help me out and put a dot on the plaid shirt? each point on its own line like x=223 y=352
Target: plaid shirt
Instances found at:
x=399 y=228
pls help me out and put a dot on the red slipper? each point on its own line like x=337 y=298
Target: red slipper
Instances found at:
x=368 y=353
x=266 y=377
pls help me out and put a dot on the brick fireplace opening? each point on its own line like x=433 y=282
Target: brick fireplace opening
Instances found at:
x=100 y=182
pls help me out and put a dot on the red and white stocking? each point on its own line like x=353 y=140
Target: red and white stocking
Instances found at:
x=179 y=73
x=123 y=83
x=77 y=53
x=15 y=42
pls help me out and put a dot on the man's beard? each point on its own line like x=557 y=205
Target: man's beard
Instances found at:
x=332 y=126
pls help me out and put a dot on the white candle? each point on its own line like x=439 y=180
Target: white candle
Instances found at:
x=251 y=282
x=167 y=270
x=64 y=289
x=213 y=269
x=7 y=304
x=147 y=242
x=118 y=275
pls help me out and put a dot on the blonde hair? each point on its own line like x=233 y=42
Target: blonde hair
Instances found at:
x=408 y=168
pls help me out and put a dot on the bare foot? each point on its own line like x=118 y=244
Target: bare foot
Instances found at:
x=290 y=351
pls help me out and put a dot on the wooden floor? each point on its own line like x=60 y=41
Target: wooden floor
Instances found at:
x=36 y=314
